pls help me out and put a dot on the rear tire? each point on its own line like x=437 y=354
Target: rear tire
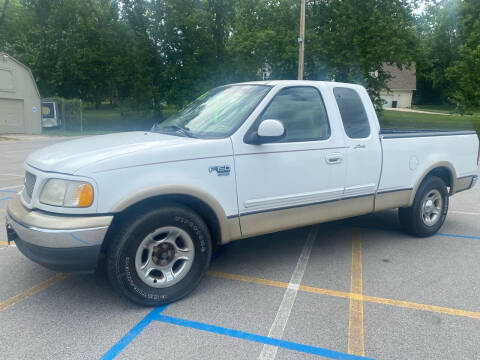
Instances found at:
x=429 y=209
x=160 y=255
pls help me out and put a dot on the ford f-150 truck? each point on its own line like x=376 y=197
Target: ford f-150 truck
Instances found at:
x=241 y=160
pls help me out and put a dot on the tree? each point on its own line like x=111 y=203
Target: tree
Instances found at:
x=265 y=33
x=145 y=53
x=437 y=30
x=465 y=71
x=351 y=40
x=4 y=10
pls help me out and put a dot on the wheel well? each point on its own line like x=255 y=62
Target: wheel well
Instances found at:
x=444 y=174
x=201 y=208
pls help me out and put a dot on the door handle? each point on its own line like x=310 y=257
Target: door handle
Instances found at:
x=360 y=146
x=334 y=159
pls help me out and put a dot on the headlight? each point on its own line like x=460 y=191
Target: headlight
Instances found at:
x=67 y=193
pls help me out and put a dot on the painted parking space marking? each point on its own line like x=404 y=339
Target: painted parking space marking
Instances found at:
x=5 y=243
x=132 y=334
x=229 y=276
x=12 y=187
x=4 y=305
x=269 y=352
x=473 y=237
x=355 y=319
x=5 y=198
x=266 y=340
x=464 y=212
x=12 y=175
x=459 y=236
x=347 y=295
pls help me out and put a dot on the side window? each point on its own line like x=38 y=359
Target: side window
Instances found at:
x=354 y=117
x=302 y=112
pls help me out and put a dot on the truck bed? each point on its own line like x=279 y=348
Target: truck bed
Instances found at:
x=409 y=154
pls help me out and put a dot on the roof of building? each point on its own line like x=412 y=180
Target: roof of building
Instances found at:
x=3 y=55
x=402 y=79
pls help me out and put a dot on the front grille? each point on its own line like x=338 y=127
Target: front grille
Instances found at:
x=30 y=180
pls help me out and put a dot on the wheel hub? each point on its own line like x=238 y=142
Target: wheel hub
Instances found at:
x=429 y=205
x=432 y=206
x=163 y=254
x=164 y=257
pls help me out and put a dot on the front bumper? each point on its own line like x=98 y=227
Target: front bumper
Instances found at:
x=61 y=243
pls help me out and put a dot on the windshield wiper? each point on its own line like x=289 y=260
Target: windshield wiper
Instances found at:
x=176 y=129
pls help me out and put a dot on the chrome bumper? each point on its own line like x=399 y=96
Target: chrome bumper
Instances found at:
x=61 y=243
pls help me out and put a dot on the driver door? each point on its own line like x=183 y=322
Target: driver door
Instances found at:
x=290 y=182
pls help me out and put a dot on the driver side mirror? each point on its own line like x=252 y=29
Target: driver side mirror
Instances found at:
x=269 y=130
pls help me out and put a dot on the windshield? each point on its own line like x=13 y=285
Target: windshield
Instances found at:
x=217 y=113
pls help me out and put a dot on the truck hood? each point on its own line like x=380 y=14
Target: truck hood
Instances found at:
x=104 y=152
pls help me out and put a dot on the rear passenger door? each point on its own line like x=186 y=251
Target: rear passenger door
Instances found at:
x=290 y=182
x=364 y=157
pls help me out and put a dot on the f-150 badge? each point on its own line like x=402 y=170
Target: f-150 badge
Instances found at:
x=222 y=170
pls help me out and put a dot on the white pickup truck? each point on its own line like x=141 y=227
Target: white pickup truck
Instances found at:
x=241 y=160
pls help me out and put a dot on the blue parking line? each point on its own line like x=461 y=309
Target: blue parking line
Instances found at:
x=257 y=338
x=132 y=334
x=9 y=191
x=6 y=198
x=460 y=236
x=437 y=234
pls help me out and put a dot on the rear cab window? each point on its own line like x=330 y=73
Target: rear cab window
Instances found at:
x=353 y=114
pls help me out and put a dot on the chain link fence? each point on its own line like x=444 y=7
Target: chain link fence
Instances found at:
x=75 y=116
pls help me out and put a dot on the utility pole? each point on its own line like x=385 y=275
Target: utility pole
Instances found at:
x=81 y=117
x=301 y=41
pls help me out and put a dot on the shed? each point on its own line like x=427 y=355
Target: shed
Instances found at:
x=19 y=98
x=401 y=86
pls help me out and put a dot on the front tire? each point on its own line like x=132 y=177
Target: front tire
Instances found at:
x=429 y=209
x=160 y=255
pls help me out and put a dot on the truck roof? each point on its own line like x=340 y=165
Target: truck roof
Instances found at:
x=298 y=82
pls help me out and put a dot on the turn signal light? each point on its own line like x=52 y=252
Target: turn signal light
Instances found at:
x=85 y=198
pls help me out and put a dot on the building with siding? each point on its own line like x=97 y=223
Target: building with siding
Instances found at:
x=20 y=111
x=401 y=86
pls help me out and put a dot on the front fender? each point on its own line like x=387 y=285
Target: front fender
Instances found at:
x=229 y=225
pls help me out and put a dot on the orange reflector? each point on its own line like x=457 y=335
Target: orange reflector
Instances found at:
x=85 y=198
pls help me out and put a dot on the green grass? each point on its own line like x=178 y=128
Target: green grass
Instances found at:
x=447 y=109
x=410 y=120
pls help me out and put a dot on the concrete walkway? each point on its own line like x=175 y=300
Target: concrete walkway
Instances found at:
x=415 y=111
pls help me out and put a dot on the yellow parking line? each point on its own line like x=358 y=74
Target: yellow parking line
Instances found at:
x=3 y=243
x=348 y=295
x=4 y=305
x=422 y=307
x=334 y=293
x=248 y=279
x=355 y=319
